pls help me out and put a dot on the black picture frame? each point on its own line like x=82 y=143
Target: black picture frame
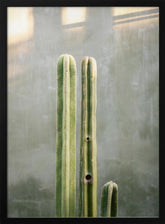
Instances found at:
x=3 y=120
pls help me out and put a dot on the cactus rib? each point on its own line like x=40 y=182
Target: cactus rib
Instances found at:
x=66 y=137
x=88 y=148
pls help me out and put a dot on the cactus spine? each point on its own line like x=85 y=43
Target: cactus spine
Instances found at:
x=66 y=137
x=109 y=200
x=88 y=150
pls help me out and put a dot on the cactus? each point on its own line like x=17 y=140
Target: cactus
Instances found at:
x=66 y=137
x=66 y=144
x=88 y=150
x=109 y=200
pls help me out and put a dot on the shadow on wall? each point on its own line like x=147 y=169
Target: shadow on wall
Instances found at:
x=28 y=199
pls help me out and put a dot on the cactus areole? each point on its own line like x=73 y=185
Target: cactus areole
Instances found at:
x=88 y=148
x=66 y=137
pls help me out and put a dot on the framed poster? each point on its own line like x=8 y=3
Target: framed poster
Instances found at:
x=123 y=38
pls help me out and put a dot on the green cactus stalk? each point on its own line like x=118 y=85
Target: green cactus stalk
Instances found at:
x=66 y=137
x=88 y=147
x=109 y=200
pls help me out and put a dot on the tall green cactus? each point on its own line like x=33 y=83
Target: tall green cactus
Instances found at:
x=66 y=137
x=88 y=147
x=109 y=200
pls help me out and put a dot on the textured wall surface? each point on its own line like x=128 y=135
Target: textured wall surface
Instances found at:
x=125 y=44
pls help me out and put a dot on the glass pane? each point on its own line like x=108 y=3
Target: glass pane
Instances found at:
x=125 y=43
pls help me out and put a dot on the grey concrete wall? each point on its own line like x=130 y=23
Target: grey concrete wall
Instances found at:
x=126 y=49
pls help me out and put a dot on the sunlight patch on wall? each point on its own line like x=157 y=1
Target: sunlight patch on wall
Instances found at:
x=20 y=24
x=118 y=11
x=71 y=15
x=134 y=16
